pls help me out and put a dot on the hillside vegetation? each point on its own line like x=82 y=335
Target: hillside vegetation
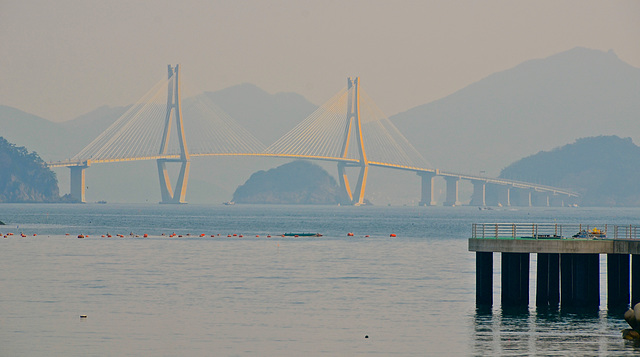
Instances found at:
x=602 y=169
x=298 y=182
x=24 y=176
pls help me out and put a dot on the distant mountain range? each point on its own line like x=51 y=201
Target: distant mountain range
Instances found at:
x=537 y=105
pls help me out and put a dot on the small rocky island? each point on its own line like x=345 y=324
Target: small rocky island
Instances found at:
x=298 y=182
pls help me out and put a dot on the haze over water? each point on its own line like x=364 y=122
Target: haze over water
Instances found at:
x=412 y=295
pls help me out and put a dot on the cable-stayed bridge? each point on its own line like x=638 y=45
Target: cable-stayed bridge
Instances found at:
x=348 y=129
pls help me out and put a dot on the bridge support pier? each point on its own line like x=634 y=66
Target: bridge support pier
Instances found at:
x=540 y=199
x=174 y=110
x=515 y=279
x=452 y=191
x=548 y=280
x=618 y=280
x=344 y=182
x=478 y=198
x=635 y=279
x=78 y=185
x=484 y=278
x=523 y=197
x=427 y=194
x=504 y=196
x=166 y=191
x=556 y=200
x=580 y=276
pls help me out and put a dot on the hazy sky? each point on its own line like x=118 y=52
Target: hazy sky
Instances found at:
x=63 y=58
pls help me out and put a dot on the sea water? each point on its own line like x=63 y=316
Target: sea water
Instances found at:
x=335 y=295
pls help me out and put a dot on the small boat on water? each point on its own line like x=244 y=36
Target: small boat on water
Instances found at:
x=303 y=235
x=229 y=203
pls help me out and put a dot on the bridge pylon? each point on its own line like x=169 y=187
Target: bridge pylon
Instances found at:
x=174 y=110
x=354 y=123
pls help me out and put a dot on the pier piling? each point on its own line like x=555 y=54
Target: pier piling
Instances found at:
x=515 y=279
x=548 y=280
x=568 y=268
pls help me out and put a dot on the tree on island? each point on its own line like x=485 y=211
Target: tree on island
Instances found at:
x=24 y=177
x=298 y=182
x=602 y=169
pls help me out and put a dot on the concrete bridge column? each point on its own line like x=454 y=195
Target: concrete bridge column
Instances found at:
x=548 y=278
x=478 y=198
x=580 y=280
x=427 y=197
x=515 y=279
x=540 y=199
x=556 y=200
x=78 y=182
x=618 y=280
x=452 y=191
x=497 y=195
x=523 y=197
x=635 y=279
x=484 y=278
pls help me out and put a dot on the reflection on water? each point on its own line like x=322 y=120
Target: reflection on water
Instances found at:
x=550 y=331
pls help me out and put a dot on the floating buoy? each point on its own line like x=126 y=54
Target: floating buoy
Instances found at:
x=213 y=235
x=296 y=236
x=202 y=235
x=257 y=235
x=34 y=234
x=102 y=236
x=228 y=235
x=392 y=235
x=145 y=235
x=268 y=236
x=367 y=236
x=80 y=236
x=349 y=234
x=22 y=235
x=235 y=235
x=241 y=236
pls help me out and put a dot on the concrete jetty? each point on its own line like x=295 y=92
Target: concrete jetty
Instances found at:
x=568 y=263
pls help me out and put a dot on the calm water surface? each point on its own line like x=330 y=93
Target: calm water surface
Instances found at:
x=412 y=295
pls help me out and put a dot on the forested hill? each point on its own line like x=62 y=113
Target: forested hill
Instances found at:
x=602 y=169
x=24 y=176
x=298 y=182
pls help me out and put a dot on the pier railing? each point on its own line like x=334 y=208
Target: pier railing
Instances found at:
x=553 y=231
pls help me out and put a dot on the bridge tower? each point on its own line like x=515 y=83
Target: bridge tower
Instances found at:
x=174 y=110
x=353 y=122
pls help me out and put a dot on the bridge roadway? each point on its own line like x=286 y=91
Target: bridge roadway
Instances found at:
x=547 y=195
